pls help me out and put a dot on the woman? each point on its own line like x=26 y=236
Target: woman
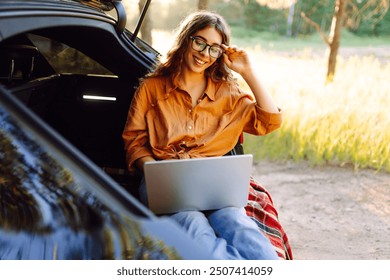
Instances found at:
x=190 y=106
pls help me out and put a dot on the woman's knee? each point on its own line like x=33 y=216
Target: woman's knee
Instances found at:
x=191 y=220
x=231 y=216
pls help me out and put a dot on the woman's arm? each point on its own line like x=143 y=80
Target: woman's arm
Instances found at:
x=238 y=60
x=141 y=161
x=135 y=135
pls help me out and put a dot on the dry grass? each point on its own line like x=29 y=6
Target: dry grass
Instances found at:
x=346 y=122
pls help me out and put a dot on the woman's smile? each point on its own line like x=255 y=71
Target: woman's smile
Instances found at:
x=199 y=61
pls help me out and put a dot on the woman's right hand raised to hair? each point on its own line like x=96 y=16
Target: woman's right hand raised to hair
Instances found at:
x=236 y=59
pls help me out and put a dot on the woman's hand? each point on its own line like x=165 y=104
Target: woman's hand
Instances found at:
x=236 y=59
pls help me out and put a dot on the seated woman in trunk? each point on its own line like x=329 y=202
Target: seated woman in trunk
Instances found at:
x=190 y=106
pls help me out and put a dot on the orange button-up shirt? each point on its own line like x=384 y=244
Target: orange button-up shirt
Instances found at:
x=162 y=123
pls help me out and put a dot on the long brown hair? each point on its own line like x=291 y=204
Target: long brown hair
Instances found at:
x=218 y=71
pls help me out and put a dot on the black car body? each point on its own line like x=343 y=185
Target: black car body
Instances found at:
x=68 y=72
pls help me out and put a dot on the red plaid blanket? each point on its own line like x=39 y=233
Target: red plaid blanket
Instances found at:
x=260 y=208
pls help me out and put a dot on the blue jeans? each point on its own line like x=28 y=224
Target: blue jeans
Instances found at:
x=228 y=233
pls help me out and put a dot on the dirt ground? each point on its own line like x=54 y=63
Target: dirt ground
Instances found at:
x=330 y=213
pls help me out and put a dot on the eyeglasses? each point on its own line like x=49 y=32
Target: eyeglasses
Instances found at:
x=200 y=45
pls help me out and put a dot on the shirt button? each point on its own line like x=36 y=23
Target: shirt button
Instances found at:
x=190 y=110
x=190 y=127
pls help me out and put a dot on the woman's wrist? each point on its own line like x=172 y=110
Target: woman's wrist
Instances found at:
x=141 y=162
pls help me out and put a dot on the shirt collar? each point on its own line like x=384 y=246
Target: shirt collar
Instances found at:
x=211 y=88
x=170 y=84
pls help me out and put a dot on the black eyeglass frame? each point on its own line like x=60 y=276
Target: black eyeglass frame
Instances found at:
x=193 y=38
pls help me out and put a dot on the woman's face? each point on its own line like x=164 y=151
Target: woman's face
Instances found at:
x=197 y=61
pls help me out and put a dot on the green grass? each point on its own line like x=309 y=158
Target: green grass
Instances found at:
x=346 y=122
x=275 y=42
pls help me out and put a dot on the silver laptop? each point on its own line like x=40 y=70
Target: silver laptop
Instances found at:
x=198 y=184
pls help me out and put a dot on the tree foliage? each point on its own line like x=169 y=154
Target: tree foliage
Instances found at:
x=363 y=17
x=326 y=17
x=347 y=13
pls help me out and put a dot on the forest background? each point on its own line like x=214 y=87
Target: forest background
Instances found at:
x=341 y=121
x=328 y=166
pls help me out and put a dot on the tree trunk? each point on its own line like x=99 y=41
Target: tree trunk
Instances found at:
x=146 y=28
x=203 y=4
x=290 y=18
x=334 y=38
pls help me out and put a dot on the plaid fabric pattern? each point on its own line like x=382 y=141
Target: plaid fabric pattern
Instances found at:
x=260 y=208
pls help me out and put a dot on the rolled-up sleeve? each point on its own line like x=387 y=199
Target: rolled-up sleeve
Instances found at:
x=257 y=121
x=268 y=121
